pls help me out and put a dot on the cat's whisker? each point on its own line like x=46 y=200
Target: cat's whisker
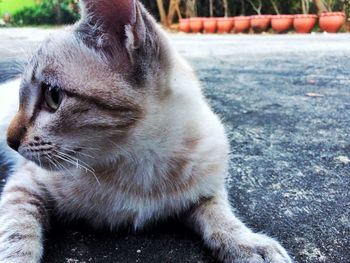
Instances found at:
x=96 y=178
x=87 y=155
x=50 y=167
x=50 y=161
x=38 y=157
x=67 y=160
x=61 y=165
x=65 y=168
x=54 y=162
x=75 y=161
x=58 y=165
x=77 y=153
x=82 y=163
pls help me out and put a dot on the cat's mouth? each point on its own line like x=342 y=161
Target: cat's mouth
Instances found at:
x=43 y=157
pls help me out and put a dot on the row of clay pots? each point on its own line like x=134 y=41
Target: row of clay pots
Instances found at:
x=329 y=22
x=210 y=25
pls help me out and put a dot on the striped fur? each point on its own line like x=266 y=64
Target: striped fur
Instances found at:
x=24 y=218
x=133 y=140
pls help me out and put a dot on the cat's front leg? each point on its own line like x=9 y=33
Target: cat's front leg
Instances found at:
x=229 y=239
x=23 y=219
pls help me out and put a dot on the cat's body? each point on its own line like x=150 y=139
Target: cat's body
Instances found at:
x=151 y=179
x=124 y=135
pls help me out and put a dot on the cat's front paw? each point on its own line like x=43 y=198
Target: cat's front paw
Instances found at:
x=248 y=248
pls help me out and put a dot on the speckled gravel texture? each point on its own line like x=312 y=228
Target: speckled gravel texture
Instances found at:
x=285 y=101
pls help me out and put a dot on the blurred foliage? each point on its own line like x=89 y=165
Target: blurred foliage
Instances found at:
x=47 y=12
x=244 y=7
x=11 y=6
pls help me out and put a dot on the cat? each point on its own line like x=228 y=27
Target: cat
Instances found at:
x=114 y=129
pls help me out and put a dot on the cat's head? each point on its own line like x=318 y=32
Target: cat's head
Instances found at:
x=87 y=87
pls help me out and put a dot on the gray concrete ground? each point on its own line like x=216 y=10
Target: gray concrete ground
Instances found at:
x=285 y=101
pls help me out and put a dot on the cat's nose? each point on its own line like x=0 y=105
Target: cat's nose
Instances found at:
x=14 y=143
x=16 y=131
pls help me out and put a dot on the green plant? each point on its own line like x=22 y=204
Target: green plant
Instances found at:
x=46 y=12
x=12 y=6
x=275 y=6
x=305 y=6
x=256 y=6
x=346 y=7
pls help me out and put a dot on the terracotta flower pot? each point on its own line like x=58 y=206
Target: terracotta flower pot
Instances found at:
x=185 y=25
x=242 y=24
x=225 y=24
x=304 y=24
x=6 y=17
x=210 y=25
x=331 y=22
x=260 y=23
x=282 y=23
x=196 y=24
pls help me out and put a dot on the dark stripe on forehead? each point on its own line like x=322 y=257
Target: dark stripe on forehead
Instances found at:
x=35 y=67
x=128 y=107
x=121 y=126
x=37 y=107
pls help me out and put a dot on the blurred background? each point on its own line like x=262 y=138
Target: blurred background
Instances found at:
x=168 y=12
x=284 y=98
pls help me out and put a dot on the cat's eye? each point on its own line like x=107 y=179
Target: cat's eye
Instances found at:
x=53 y=96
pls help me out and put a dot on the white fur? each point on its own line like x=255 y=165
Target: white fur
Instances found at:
x=9 y=105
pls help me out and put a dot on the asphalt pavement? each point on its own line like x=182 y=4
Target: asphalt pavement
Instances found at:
x=285 y=101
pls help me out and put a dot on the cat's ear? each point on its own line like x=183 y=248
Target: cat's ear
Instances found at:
x=109 y=23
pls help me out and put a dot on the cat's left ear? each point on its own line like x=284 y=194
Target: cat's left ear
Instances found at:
x=111 y=24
